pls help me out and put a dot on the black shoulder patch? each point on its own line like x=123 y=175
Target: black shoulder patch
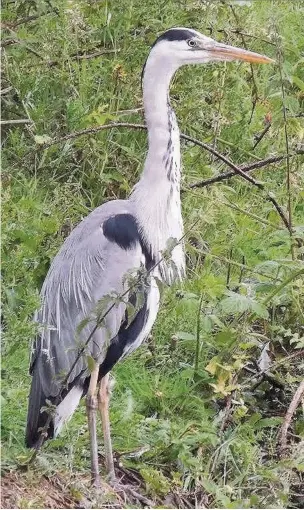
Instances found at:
x=122 y=229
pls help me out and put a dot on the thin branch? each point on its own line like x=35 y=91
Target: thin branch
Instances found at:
x=15 y=121
x=245 y=34
x=5 y=91
x=288 y=417
x=289 y=205
x=248 y=178
x=129 y=111
x=80 y=56
x=259 y=137
x=27 y=19
x=246 y=168
x=75 y=56
x=218 y=117
x=252 y=215
x=255 y=92
x=92 y=131
x=198 y=332
x=17 y=40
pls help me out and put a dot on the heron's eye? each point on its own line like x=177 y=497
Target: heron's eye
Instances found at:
x=192 y=43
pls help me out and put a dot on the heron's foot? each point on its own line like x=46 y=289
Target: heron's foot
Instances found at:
x=129 y=493
x=111 y=478
x=95 y=481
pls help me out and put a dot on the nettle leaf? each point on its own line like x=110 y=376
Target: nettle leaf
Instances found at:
x=91 y=364
x=235 y=303
x=268 y=422
x=296 y=341
x=298 y=82
x=238 y=303
x=226 y=337
x=212 y=365
x=130 y=312
x=259 y=309
x=82 y=324
x=156 y=482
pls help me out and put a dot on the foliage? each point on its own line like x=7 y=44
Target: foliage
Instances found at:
x=195 y=396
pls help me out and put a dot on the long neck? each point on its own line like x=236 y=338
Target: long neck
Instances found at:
x=157 y=194
x=163 y=132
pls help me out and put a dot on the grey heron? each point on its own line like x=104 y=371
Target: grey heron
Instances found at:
x=117 y=237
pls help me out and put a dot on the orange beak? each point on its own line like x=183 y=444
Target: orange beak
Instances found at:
x=225 y=52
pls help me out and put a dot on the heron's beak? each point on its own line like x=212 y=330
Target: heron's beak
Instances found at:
x=225 y=52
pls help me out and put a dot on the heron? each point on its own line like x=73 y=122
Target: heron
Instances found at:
x=117 y=237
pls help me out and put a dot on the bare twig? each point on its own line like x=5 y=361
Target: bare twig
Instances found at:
x=27 y=19
x=246 y=168
x=112 y=125
x=248 y=178
x=198 y=332
x=16 y=40
x=255 y=93
x=129 y=111
x=288 y=417
x=5 y=91
x=218 y=117
x=289 y=205
x=7 y=42
x=260 y=137
x=92 y=131
x=227 y=411
x=244 y=34
x=229 y=269
x=81 y=56
x=15 y=121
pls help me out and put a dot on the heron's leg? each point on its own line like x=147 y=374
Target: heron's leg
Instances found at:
x=103 y=404
x=91 y=403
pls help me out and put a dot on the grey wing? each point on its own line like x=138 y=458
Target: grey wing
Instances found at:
x=88 y=267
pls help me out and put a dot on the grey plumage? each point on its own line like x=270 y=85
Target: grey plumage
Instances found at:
x=87 y=268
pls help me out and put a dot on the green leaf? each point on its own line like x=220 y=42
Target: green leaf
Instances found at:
x=259 y=309
x=235 y=303
x=268 y=422
x=91 y=364
x=183 y=335
x=156 y=482
x=298 y=82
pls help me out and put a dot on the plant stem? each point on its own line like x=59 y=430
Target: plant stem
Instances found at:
x=198 y=331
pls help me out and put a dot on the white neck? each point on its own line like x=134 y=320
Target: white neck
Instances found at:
x=157 y=194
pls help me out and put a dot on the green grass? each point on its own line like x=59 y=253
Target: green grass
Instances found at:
x=171 y=395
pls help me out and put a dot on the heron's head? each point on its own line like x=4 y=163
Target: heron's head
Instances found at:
x=181 y=46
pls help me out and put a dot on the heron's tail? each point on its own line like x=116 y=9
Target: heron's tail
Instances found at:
x=36 y=418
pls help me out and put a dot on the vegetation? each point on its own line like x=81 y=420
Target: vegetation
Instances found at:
x=201 y=405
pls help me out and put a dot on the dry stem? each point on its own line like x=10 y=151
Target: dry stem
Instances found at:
x=288 y=417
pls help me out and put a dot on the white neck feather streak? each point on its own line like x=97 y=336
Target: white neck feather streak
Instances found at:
x=157 y=194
